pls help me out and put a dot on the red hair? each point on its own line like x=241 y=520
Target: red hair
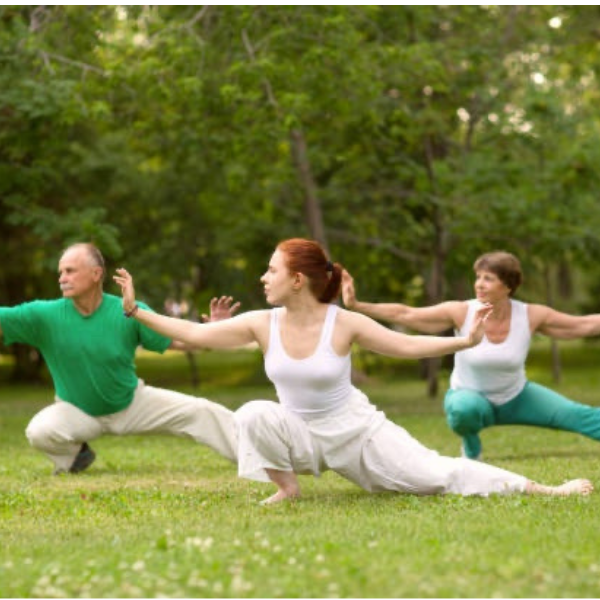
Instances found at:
x=308 y=257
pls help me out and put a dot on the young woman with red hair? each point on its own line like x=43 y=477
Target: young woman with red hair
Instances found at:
x=321 y=420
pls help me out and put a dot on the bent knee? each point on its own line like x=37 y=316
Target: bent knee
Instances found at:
x=463 y=419
x=38 y=433
x=257 y=412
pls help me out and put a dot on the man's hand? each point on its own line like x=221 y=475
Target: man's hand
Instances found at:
x=221 y=309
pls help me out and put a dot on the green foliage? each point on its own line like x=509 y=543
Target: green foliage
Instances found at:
x=165 y=134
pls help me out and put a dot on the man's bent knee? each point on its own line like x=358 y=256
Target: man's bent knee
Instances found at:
x=39 y=434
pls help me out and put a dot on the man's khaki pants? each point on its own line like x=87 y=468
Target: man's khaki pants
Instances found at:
x=60 y=429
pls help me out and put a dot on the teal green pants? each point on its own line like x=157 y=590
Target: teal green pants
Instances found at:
x=468 y=412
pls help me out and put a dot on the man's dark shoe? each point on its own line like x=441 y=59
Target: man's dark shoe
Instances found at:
x=83 y=460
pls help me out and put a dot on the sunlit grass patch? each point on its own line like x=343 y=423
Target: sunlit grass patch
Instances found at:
x=162 y=516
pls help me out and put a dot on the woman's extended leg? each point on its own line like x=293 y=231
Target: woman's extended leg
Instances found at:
x=542 y=407
x=395 y=461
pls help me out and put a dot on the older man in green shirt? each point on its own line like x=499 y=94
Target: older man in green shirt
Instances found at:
x=89 y=346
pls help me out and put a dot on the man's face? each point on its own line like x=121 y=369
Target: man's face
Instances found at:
x=76 y=274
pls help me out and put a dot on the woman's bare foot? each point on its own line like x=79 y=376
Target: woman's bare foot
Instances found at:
x=287 y=484
x=279 y=496
x=581 y=487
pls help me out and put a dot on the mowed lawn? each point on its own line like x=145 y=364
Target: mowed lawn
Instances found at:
x=164 y=517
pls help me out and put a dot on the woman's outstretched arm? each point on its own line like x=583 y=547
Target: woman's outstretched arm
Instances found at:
x=375 y=337
x=230 y=333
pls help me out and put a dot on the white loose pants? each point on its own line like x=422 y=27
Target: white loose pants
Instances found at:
x=360 y=444
x=59 y=429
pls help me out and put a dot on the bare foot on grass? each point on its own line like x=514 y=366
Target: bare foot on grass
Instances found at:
x=279 y=496
x=287 y=484
x=583 y=487
x=580 y=487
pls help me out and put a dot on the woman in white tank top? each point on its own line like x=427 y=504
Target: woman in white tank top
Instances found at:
x=488 y=385
x=321 y=421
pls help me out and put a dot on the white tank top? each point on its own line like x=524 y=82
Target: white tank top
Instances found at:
x=495 y=370
x=314 y=386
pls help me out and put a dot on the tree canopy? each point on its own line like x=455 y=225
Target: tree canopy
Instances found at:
x=187 y=140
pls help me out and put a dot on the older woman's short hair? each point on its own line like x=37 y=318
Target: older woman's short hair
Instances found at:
x=504 y=265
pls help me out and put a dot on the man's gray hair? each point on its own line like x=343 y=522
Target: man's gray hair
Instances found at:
x=95 y=256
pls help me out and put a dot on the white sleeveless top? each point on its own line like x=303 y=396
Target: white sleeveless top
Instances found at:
x=314 y=386
x=495 y=370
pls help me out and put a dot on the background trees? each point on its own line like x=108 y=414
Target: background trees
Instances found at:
x=187 y=140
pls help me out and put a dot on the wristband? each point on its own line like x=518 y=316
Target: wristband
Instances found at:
x=132 y=312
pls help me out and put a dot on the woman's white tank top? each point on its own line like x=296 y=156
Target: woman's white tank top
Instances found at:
x=495 y=370
x=314 y=386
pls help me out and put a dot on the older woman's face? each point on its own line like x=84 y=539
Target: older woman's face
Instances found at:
x=489 y=287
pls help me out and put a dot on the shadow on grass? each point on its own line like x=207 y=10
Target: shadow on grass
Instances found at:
x=545 y=454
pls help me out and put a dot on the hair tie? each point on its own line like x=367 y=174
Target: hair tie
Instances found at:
x=329 y=266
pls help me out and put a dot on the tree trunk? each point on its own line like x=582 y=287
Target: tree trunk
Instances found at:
x=194 y=372
x=435 y=286
x=435 y=281
x=556 y=363
x=312 y=205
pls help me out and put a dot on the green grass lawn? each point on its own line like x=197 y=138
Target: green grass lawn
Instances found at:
x=160 y=516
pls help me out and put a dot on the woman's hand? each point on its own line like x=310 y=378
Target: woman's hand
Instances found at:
x=124 y=279
x=348 y=291
x=478 y=327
